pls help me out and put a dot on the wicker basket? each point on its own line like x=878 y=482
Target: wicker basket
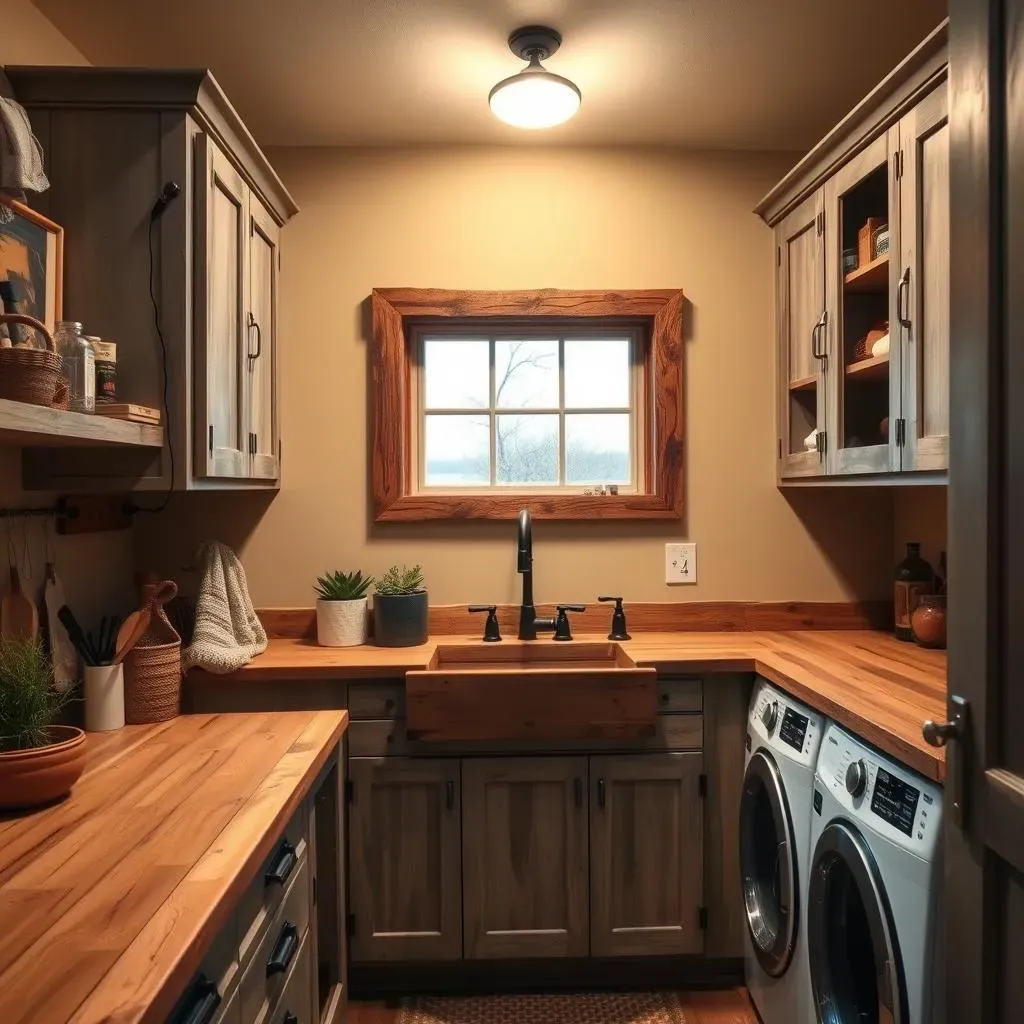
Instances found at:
x=29 y=374
x=152 y=679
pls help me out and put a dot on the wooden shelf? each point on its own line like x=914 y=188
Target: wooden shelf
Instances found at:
x=24 y=424
x=872 y=277
x=804 y=383
x=874 y=369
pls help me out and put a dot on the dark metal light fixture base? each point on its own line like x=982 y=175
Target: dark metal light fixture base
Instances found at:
x=534 y=41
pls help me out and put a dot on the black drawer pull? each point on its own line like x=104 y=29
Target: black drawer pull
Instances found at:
x=285 y=949
x=284 y=864
x=290 y=1018
x=600 y=793
x=202 y=1003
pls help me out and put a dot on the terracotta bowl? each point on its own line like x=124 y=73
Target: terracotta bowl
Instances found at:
x=29 y=778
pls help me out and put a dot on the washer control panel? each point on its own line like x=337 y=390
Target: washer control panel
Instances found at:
x=881 y=794
x=784 y=725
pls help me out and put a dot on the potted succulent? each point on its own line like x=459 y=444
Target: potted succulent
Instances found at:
x=341 y=609
x=400 y=608
x=39 y=761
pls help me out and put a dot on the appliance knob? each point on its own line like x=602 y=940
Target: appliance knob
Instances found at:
x=856 y=778
x=770 y=715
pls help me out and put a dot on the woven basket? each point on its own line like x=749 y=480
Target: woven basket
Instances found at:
x=152 y=679
x=29 y=374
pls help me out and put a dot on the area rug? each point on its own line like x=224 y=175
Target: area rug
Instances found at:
x=583 y=1008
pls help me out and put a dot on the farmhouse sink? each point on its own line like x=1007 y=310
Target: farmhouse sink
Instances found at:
x=541 y=691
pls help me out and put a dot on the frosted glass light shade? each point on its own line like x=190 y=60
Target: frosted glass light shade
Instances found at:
x=534 y=98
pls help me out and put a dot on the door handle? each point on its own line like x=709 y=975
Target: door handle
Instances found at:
x=601 y=797
x=821 y=325
x=903 y=288
x=253 y=322
x=956 y=734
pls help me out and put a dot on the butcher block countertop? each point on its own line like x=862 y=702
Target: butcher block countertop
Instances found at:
x=110 y=898
x=879 y=687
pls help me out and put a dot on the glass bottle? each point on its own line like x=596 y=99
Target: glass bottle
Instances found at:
x=79 y=368
x=914 y=577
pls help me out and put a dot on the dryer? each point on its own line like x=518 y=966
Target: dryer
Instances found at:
x=783 y=737
x=874 y=886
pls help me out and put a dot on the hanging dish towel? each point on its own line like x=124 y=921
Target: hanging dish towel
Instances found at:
x=227 y=631
x=21 y=155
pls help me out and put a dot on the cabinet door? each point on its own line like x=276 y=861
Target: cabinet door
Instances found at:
x=924 y=302
x=646 y=854
x=864 y=389
x=405 y=873
x=800 y=308
x=222 y=289
x=524 y=855
x=261 y=357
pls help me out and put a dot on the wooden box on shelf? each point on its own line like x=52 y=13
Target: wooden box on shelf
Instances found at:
x=866 y=240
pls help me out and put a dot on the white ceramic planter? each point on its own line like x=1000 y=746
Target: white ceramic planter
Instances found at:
x=341 y=623
x=104 y=697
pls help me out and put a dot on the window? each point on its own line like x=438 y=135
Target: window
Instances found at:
x=551 y=408
x=566 y=403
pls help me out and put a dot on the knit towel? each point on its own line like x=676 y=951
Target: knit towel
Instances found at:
x=227 y=632
x=21 y=155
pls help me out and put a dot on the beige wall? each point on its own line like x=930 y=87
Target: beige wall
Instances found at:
x=919 y=513
x=534 y=217
x=27 y=36
x=96 y=569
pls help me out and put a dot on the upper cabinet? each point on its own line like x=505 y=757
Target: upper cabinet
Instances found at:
x=113 y=140
x=862 y=288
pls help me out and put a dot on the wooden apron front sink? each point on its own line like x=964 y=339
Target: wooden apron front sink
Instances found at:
x=538 y=691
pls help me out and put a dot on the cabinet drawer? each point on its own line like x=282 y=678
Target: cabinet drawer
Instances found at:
x=229 y=1012
x=379 y=738
x=676 y=695
x=276 y=949
x=376 y=700
x=260 y=901
x=678 y=732
x=296 y=1003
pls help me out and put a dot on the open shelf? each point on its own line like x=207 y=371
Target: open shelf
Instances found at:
x=24 y=424
x=874 y=369
x=872 y=277
x=804 y=383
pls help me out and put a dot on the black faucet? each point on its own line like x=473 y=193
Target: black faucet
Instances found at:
x=528 y=621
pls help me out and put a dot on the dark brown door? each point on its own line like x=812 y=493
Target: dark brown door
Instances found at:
x=984 y=872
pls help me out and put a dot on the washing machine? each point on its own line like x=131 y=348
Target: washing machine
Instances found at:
x=872 y=913
x=783 y=738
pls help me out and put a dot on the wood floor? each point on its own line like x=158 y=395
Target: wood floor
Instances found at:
x=728 y=1006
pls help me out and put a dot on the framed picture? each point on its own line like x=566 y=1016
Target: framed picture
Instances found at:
x=31 y=269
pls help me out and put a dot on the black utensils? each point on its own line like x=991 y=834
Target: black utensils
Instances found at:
x=76 y=634
x=95 y=647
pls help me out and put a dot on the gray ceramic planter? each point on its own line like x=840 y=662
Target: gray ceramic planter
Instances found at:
x=400 y=620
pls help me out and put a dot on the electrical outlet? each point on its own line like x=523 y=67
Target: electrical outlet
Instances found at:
x=681 y=563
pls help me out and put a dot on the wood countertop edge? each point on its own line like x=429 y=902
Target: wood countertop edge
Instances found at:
x=135 y=990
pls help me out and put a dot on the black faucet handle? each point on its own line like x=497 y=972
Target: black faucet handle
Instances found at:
x=618 y=620
x=492 y=631
x=563 y=631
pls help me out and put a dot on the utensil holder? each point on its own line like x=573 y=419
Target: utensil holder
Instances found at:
x=104 y=697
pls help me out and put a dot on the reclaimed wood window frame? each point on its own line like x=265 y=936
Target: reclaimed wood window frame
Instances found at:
x=398 y=315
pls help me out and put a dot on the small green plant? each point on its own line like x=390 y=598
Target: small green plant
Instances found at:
x=343 y=586
x=401 y=580
x=29 y=701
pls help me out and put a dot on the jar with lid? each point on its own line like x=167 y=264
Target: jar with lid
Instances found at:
x=79 y=368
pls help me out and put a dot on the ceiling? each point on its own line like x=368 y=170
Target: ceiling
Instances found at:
x=713 y=74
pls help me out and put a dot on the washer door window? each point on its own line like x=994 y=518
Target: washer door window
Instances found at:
x=856 y=971
x=768 y=864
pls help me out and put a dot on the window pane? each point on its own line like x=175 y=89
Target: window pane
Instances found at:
x=526 y=374
x=597 y=374
x=597 y=448
x=527 y=449
x=457 y=373
x=457 y=451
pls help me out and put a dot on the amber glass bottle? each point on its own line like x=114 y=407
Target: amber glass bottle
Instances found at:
x=914 y=577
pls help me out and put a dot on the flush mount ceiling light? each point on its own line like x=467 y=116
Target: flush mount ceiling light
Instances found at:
x=535 y=98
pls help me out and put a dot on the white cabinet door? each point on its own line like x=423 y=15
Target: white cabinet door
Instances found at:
x=222 y=436
x=261 y=358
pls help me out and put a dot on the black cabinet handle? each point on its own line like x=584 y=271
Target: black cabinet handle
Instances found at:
x=202 y=1003
x=903 y=288
x=283 y=865
x=284 y=951
x=449 y=794
x=600 y=793
x=253 y=322
x=579 y=792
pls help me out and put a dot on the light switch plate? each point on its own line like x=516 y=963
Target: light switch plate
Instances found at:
x=681 y=563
